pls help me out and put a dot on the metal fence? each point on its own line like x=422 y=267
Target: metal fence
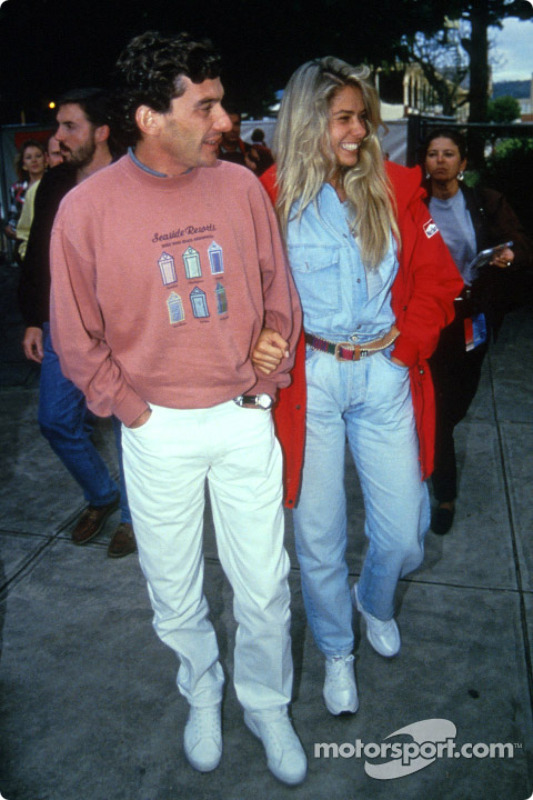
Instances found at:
x=419 y=126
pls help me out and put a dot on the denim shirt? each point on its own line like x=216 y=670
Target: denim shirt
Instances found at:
x=341 y=300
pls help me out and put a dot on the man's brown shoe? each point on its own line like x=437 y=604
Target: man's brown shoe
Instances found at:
x=92 y=521
x=123 y=541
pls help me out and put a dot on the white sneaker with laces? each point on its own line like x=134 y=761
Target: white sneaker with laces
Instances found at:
x=340 y=690
x=383 y=635
x=202 y=738
x=285 y=755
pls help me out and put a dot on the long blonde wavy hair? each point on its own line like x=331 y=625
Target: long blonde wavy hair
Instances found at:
x=305 y=158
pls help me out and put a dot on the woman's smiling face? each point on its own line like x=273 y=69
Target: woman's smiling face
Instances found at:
x=347 y=125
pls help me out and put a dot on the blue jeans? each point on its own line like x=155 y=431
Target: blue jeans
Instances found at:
x=369 y=402
x=66 y=422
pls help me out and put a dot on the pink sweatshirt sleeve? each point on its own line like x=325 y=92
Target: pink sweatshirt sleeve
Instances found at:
x=282 y=310
x=78 y=332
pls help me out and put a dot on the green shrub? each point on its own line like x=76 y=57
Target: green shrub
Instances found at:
x=510 y=170
x=503 y=109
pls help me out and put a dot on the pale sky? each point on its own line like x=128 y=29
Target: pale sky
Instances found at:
x=513 y=50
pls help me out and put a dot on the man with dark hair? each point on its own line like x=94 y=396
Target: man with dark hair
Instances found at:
x=53 y=150
x=266 y=158
x=233 y=148
x=166 y=266
x=83 y=133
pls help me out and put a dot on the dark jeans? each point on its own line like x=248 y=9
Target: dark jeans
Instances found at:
x=456 y=375
x=65 y=422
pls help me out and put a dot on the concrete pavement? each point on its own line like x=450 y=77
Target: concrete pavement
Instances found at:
x=89 y=707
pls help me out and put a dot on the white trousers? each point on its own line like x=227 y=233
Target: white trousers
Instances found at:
x=166 y=462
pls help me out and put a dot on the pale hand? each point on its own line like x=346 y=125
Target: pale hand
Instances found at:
x=269 y=351
x=32 y=344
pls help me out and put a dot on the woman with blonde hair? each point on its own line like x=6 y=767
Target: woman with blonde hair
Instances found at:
x=376 y=285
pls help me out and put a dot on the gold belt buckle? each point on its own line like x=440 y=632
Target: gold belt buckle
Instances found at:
x=347 y=346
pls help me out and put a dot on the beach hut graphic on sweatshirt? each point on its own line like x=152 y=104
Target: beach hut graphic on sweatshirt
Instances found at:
x=214 y=251
x=199 y=303
x=222 y=300
x=168 y=269
x=176 y=311
x=191 y=262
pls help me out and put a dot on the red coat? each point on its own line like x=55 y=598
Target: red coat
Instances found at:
x=422 y=300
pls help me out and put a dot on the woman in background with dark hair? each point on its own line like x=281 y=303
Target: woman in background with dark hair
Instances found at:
x=31 y=164
x=470 y=220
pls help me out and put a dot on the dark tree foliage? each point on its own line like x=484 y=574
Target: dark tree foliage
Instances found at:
x=49 y=46
x=483 y=14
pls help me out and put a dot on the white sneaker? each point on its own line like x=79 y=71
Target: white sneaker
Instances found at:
x=285 y=755
x=384 y=636
x=202 y=738
x=340 y=690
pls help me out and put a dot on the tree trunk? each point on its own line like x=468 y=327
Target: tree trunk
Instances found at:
x=479 y=78
x=479 y=61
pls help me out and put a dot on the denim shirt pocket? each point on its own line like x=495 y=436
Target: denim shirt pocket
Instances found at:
x=316 y=273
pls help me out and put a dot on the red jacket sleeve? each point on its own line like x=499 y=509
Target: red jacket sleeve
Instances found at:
x=428 y=280
x=289 y=411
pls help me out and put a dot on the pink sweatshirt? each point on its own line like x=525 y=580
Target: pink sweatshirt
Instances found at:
x=161 y=286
